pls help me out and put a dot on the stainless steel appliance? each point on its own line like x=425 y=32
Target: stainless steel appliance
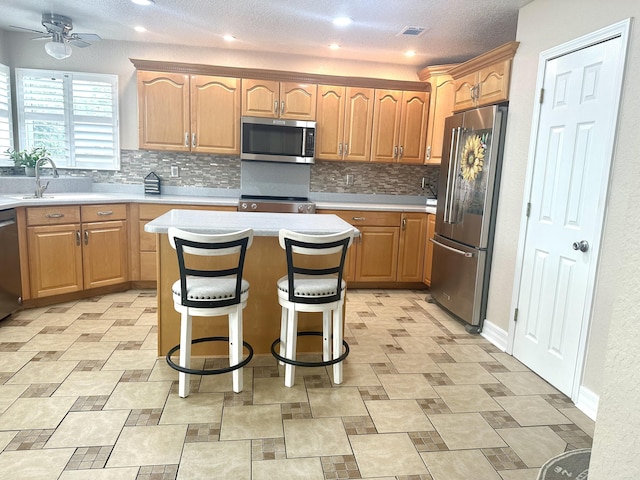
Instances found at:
x=10 y=280
x=276 y=140
x=465 y=214
x=275 y=204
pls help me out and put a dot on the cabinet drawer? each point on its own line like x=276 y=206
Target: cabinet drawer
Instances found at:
x=367 y=217
x=149 y=211
x=53 y=215
x=99 y=213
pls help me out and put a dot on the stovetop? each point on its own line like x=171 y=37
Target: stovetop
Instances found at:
x=275 y=204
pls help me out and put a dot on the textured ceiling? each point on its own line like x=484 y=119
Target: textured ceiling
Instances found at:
x=456 y=29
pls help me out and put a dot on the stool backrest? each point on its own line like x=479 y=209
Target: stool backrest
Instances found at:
x=226 y=244
x=295 y=243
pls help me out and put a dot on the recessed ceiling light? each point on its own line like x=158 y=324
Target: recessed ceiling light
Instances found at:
x=143 y=2
x=410 y=53
x=139 y=28
x=342 y=21
x=229 y=38
x=334 y=46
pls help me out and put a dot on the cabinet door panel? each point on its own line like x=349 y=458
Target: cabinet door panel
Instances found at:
x=377 y=254
x=358 y=124
x=163 y=111
x=462 y=95
x=413 y=127
x=428 y=261
x=259 y=98
x=55 y=260
x=105 y=253
x=493 y=83
x=215 y=114
x=412 y=247
x=386 y=123
x=443 y=108
x=330 y=127
x=299 y=101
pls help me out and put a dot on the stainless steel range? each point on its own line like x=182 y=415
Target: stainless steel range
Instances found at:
x=258 y=203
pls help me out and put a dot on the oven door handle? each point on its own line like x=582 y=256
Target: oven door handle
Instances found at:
x=7 y=223
x=451 y=249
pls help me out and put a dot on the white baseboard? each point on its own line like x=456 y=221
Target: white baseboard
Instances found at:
x=587 y=402
x=497 y=336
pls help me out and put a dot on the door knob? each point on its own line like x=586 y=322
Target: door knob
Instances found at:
x=582 y=245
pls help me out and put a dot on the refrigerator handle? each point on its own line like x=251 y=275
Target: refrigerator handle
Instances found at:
x=451 y=249
x=454 y=176
x=448 y=190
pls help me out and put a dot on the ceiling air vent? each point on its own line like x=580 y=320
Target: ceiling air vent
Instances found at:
x=412 y=31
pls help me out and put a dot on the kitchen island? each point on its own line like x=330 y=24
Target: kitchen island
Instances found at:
x=265 y=263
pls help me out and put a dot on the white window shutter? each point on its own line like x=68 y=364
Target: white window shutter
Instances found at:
x=6 y=129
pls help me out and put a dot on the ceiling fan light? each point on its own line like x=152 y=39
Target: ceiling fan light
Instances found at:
x=143 y=2
x=58 y=50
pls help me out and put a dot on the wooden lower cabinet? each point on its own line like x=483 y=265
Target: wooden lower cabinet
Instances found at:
x=377 y=254
x=428 y=259
x=70 y=257
x=411 y=252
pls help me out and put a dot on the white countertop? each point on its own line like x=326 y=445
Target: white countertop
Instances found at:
x=263 y=224
x=22 y=200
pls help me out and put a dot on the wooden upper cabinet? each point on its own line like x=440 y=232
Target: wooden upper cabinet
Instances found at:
x=215 y=114
x=483 y=80
x=197 y=113
x=441 y=107
x=399 y=126
x=345 y=121
x=273 y=99
x=163 y=111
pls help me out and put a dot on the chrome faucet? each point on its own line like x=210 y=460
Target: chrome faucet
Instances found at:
x=40 y=189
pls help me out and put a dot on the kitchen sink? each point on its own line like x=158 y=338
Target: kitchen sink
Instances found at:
x=63 y=196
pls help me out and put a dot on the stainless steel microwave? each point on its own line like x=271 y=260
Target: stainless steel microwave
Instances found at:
x=276 y=140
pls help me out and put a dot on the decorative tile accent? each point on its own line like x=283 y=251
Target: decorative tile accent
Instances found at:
x=135 y=376
x=359 y=425
x=493 y=367
x=125 y=322
x=89 y=365
x=503 y=458
x=86 y=458
x=121 y=304
x=131 y=345
x=441 y=357
x=438 y=379
x=442 y=340
x=89 y=316
x=433 y=406
x=266 y=371
x=391 y=349
x=194 y=386
x=490 y=348
x=296 y=411
x=316 y=381
x=144 y=418
x=373 y=393
x=202 y=432
x=497 y=390
x=58 y=309
x=558 y=400
x=398 y=332
x=158 y=472
x=89 y=404
x=40 y=390
x=424 y=476
x=150 y=310
x=268 y=449
x=4 y=377
x=405 y=319
x=573 y=435
x=500 y=419
x=428 y=441
x=357 y=326
x=29 y=440
x=90 y=337
x=11 y=346
x=49 y=356
x=54 y=329
x=340 y=466
x=17 y=322
x=383 y=368
x=232 y=399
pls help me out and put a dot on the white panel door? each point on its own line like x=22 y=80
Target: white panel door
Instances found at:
x=576 y=128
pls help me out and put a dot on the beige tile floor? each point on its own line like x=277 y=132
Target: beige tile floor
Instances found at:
x=83 y=396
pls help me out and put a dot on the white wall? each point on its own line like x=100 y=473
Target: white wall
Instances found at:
x=113 y=57
x=3 y=48
x=611 y=363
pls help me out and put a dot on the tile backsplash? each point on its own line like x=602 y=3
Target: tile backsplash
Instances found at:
x=219 y=171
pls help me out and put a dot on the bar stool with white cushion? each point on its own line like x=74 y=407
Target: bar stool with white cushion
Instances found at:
x=210 y=292
x=313 y=289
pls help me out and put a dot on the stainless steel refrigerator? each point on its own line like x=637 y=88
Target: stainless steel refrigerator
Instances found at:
x=465 y=215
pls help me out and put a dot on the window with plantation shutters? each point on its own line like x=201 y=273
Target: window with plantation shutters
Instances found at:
x=6 y=132
x=73 y=115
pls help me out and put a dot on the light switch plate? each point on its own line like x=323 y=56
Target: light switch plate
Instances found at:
x=175 y=171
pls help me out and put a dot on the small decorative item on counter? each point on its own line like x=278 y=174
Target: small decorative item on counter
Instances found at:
x=27 y=158
x=152 y=184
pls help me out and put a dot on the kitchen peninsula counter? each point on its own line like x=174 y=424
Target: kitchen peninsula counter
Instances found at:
x=265 y=263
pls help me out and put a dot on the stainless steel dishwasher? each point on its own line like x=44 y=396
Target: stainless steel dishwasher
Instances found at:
x=10 y=281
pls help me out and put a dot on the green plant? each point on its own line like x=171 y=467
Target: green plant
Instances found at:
x=27 y=158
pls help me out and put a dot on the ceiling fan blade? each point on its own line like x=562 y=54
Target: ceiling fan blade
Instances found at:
x=87 y=37
x=28 y=29
x=42 y=37
x=76 y=42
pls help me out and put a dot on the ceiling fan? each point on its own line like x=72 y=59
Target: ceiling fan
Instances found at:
x=60 y=37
